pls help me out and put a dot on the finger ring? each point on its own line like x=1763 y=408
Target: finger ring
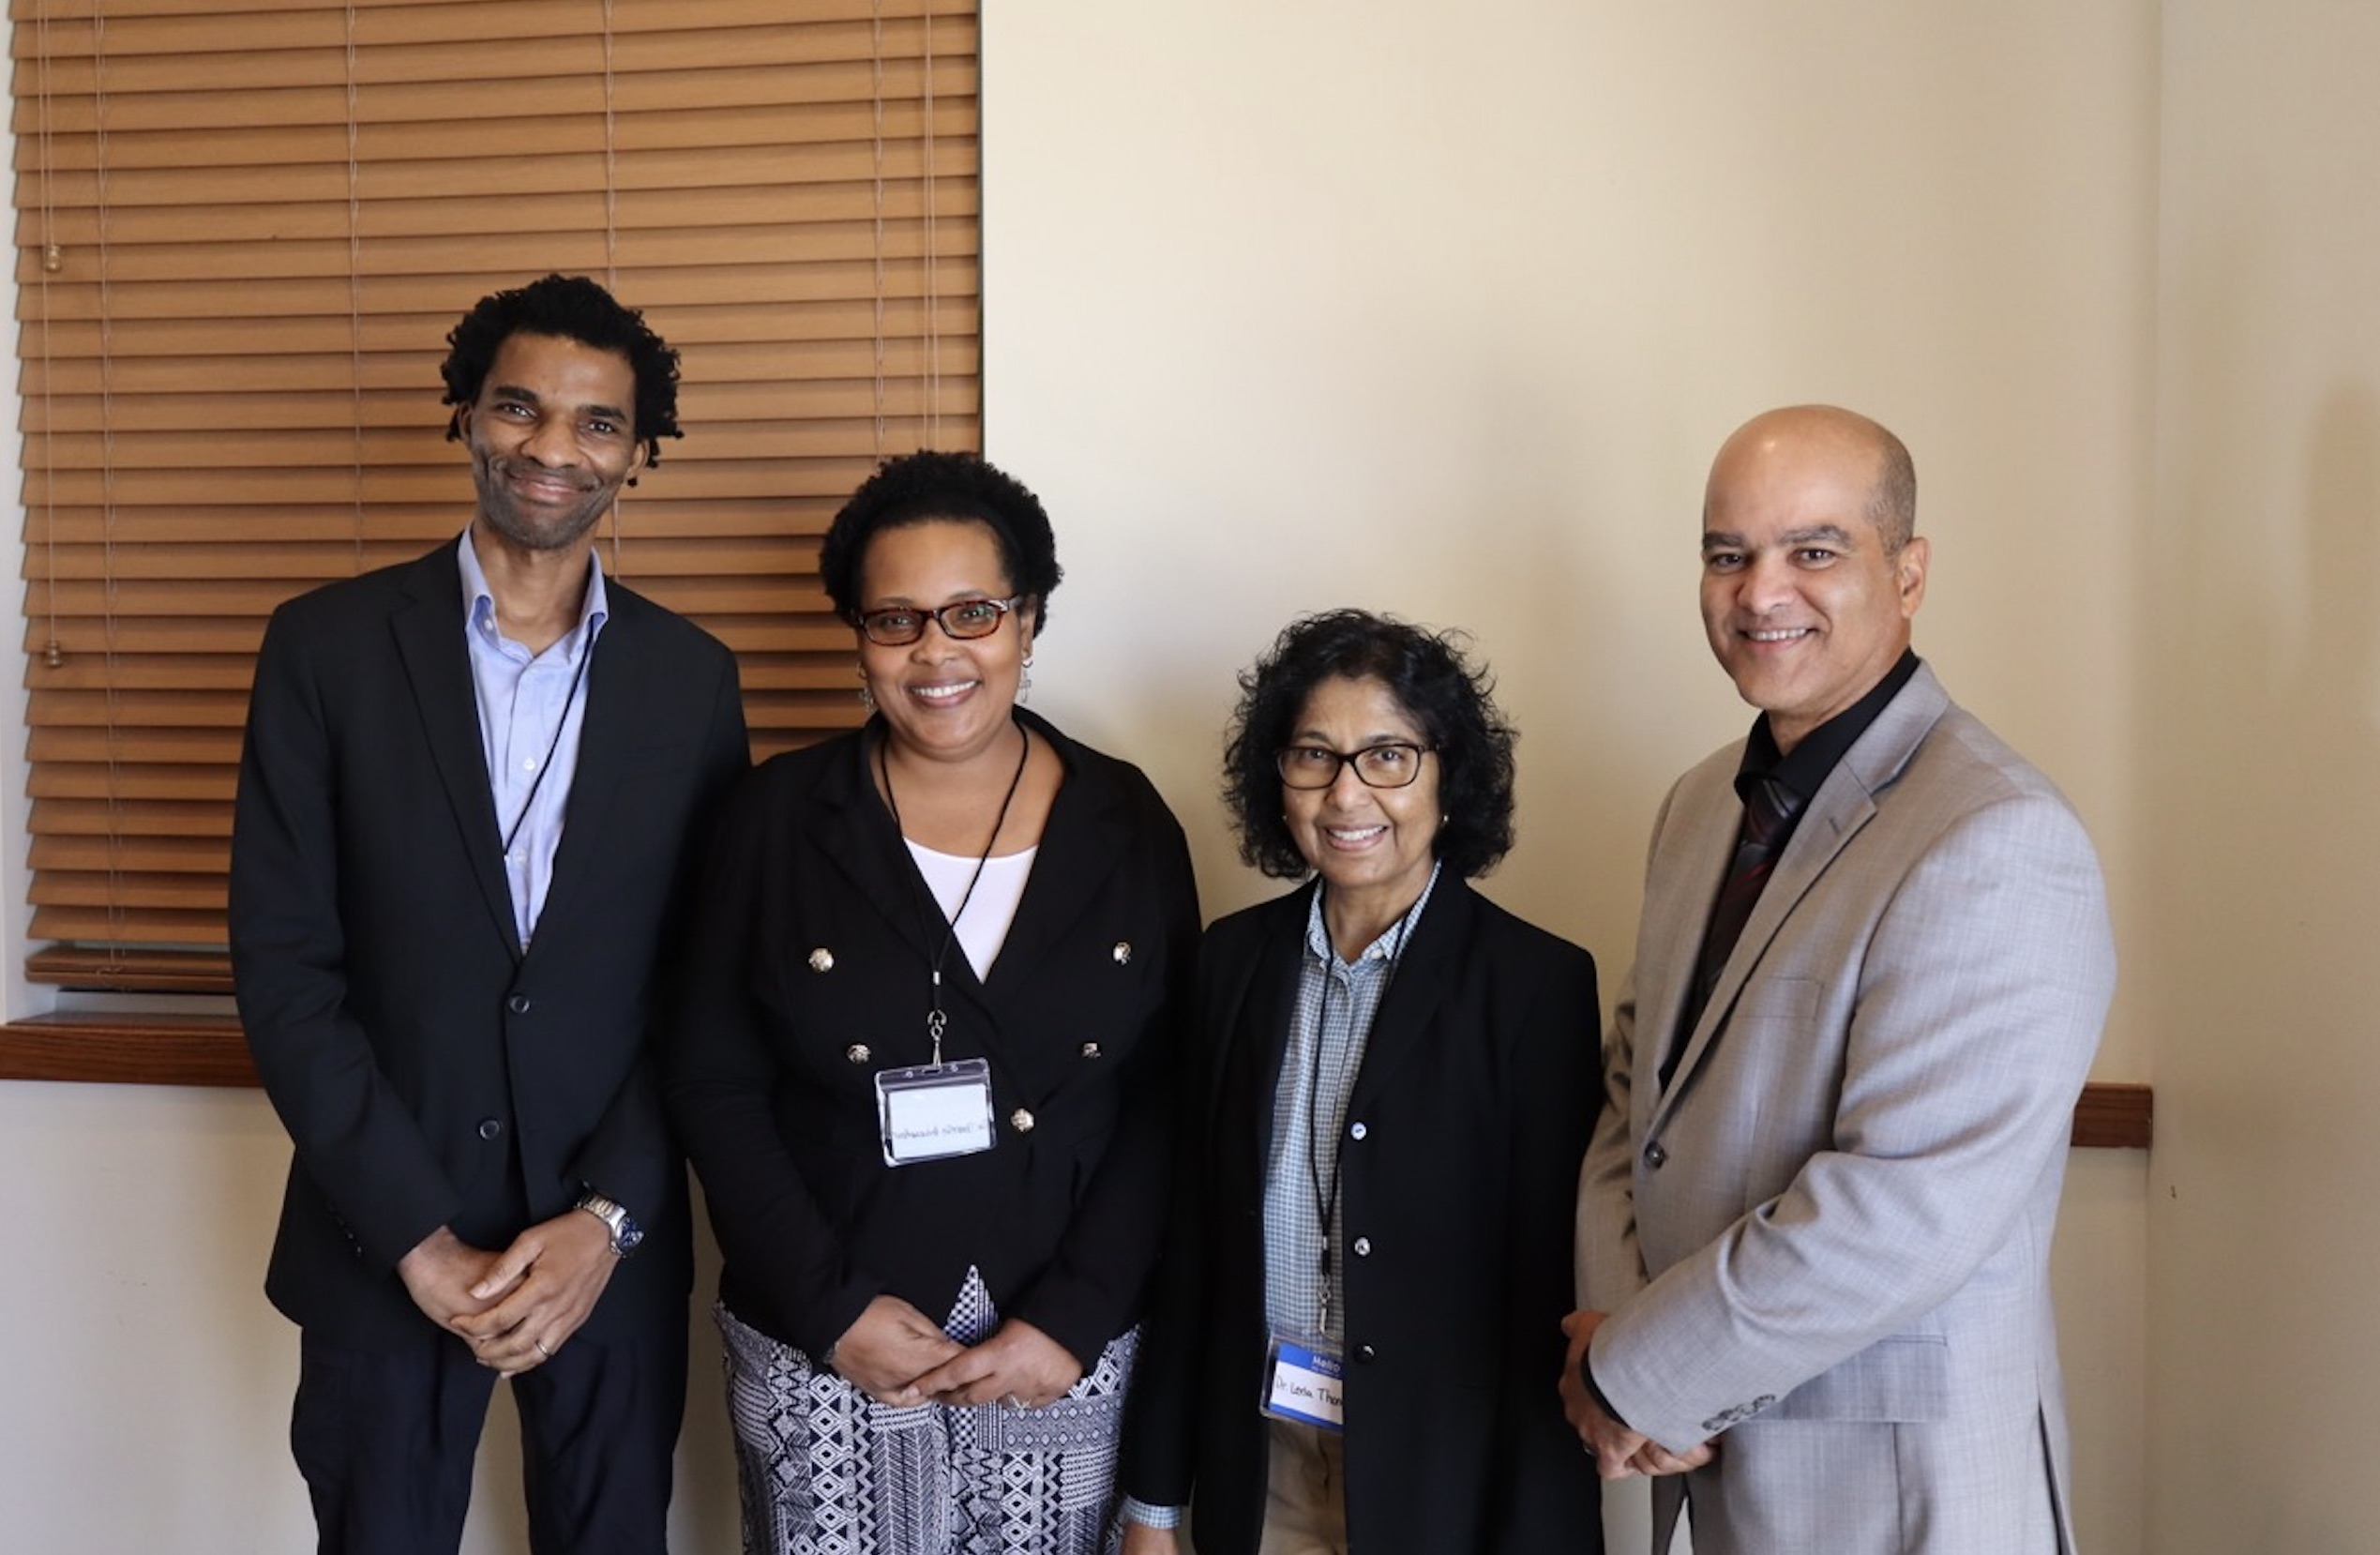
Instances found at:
x=542 y=1349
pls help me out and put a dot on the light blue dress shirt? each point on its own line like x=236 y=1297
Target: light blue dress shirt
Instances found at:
x=531 y=707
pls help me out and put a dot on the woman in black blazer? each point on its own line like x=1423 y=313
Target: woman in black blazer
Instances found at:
x=1357 y=1339
x=918 y=1060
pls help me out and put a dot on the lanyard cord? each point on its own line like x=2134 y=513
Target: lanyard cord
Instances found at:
x=577 y=677
x=936 y=1019
x=1326 y=1193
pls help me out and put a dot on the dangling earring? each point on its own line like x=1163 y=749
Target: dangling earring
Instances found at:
x=1025 y=680
x=866 y=693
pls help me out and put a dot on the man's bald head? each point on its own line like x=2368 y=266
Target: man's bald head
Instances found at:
x=1892 y=475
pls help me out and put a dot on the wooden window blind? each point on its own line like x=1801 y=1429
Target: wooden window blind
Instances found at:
x=243 y=231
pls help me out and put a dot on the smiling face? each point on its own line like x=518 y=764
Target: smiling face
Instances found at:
x=1805 y=604
x=941 y=696
x=552 y=438
x=1372 y=846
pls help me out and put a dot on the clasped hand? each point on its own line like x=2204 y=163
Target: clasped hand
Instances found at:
x=515 y=1307
x=1619 y=1452
x=896 y=1354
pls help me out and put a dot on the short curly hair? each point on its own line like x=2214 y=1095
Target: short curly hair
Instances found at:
x=1452 y=703
x=930 y=485
x=564 y=307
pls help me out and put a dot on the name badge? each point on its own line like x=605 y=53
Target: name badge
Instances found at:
x=1303 y=1384
x=935 y=1110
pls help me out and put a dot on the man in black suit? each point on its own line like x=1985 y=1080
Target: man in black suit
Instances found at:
x=462 y=846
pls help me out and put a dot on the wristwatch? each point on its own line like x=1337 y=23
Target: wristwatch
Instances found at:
x=626 y=1233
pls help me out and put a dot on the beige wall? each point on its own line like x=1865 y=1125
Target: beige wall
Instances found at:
x=2260 y=733
x=1442 y=310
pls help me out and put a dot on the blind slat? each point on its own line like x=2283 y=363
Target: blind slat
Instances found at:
x=793 y=126
x=629 y=18
x=229 y=373
x=311 y=92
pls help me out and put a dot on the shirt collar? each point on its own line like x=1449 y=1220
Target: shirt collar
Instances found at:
x=479 y=601
x=1806 y=768
x=1391 y=942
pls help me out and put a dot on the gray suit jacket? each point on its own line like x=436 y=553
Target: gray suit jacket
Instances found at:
x=1826 y=1240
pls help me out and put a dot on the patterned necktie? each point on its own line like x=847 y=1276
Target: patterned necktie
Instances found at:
x=1767 y=812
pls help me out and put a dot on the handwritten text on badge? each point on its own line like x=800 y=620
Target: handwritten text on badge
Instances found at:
x=935 y=1110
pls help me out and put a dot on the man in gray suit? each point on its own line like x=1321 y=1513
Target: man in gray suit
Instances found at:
x=1873 y=961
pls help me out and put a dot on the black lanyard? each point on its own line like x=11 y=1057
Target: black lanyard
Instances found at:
x=1326 y=1193
x=577 y=676
x=935 y=1018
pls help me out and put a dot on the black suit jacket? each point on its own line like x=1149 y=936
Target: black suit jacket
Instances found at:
x=810 y=974
x=1474 y=1102
x=410 y=1045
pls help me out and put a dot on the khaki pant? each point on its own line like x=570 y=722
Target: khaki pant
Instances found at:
x=1306 y=1493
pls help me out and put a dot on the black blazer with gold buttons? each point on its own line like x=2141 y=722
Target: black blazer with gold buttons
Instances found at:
x=810 y=974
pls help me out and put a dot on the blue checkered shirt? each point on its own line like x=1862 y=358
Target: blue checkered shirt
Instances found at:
x=1336 y=1002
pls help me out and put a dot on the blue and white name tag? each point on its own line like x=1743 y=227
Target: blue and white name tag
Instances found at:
x=935 y=1110
x=1302 y=1385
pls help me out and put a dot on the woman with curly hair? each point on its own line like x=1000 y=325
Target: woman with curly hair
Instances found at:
x=1357 y=1336
x=919 y=1062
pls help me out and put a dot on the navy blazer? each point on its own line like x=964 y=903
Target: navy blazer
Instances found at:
x=810 y=974
x=409 y=1042
x=1458 y=1170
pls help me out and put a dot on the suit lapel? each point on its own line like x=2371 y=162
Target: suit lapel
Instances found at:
x=1083 y=843
x=1266 y=1001
x=1695 y=844
x=1260 y=1024
x=618 y=685
x=856 y=834
x=1425 y=969
x=1845 y=804
x=429 y=629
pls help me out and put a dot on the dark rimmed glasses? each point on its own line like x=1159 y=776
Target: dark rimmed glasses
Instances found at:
x=965 y=621
x=1391 y=765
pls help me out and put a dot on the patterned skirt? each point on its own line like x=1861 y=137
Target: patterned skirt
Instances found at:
x=826 y=1469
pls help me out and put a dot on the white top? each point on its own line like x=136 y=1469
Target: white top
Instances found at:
x=989 y=911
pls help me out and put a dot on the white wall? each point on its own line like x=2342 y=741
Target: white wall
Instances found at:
x=1443 y=310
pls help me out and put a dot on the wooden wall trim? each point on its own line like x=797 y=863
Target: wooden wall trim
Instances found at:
x=118 y=1050
x=198 y=1049
x=2115 y=1117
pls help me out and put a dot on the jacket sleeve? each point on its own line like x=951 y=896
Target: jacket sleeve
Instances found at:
x=356 y=1139
x=1610 y=1265
x=1551 y=1501
x=1098 y=1280
x=1161 y=1425
x=719 y=1076
x=630 y=1157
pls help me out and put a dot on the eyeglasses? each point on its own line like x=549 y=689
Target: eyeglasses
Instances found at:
x=1392 y=765
x=965 y=620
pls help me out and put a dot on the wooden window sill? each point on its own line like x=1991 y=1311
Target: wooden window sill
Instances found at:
x=126 y=1050
x=198 y=1050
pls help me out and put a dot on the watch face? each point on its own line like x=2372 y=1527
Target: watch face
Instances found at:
x=627 y=1234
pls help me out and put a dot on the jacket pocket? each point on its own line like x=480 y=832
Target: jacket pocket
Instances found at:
x=1903 y=1380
